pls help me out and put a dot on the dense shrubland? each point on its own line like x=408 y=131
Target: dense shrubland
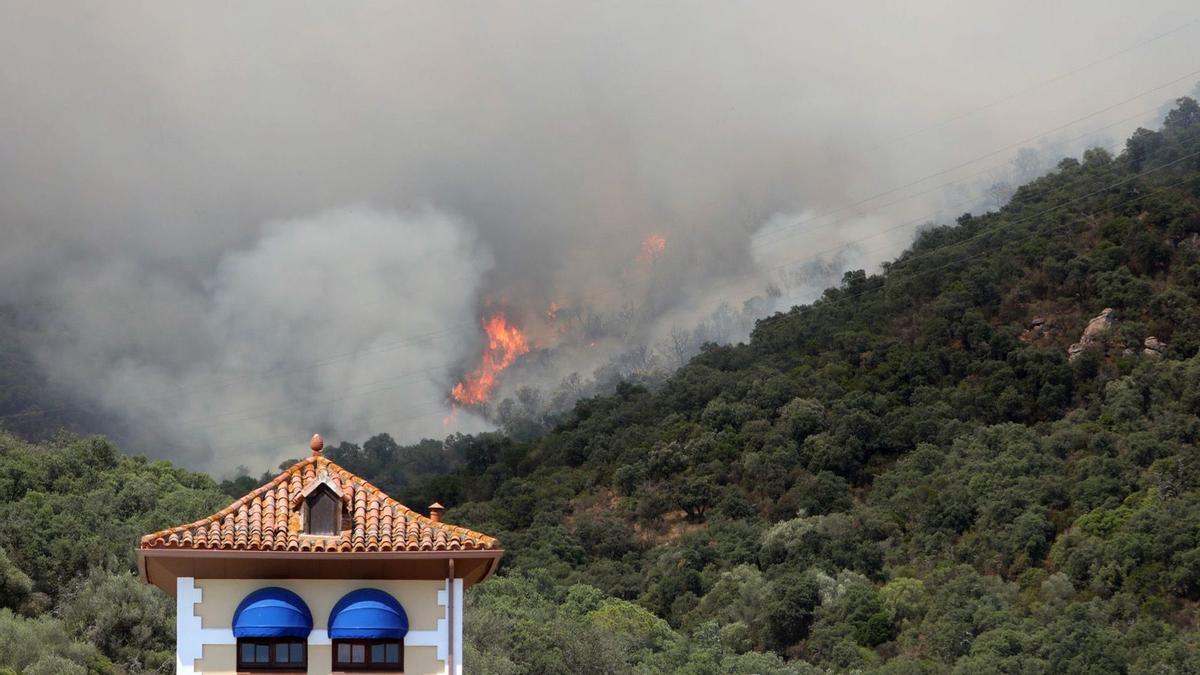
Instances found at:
x=903 y=477
x=71 y=511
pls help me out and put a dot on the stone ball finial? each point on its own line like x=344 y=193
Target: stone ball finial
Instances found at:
x=316 y=444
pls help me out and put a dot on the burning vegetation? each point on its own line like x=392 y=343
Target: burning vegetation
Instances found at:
x=652 y=247
x=505 y=342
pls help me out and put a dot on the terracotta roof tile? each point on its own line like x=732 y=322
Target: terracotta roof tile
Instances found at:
x=268 y=519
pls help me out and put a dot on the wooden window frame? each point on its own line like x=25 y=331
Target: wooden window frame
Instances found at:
x=368 y=665
x=274 y=666
x=338 y=507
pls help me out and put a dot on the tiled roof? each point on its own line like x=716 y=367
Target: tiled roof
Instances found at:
x=268 y=519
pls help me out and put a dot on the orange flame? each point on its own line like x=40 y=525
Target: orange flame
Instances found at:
x=652 y=247
x=505 y=343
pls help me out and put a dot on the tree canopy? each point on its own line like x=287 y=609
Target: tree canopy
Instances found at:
x=915 y=473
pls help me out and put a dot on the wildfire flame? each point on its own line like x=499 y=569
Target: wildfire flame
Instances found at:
x=506 y=342
x=652 y=247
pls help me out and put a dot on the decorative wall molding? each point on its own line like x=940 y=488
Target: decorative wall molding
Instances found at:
x=191 y=636
x=443 y=634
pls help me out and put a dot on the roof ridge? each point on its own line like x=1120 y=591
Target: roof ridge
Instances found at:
x=269 y=518
x=233 y=506
x=369 y=485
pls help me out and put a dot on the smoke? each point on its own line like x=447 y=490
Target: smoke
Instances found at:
x=338 y=321
x=223 y=230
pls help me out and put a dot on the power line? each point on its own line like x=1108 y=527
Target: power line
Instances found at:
x=451 y=328
x=261 y=413
x=906 y=261
x=1044 y=83
x=1010 y=96
x=1025 y=219
x=446 y=330
x=986 y=231
x=942 y=186
x=431 y=410
x=995 y=152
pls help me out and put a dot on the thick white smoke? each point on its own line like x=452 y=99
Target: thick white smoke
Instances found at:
x=344 y=322
x=177 y=254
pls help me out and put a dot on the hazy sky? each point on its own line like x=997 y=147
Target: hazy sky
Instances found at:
x=228 y=225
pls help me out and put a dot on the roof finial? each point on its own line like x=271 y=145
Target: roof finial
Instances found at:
x=316 y=444
x=435 y=512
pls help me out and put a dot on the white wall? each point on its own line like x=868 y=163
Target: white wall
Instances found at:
x=204 y=615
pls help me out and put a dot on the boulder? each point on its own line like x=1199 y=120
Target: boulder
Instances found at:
x=1038 y=329
x=1152 y=346
x=1097 y=326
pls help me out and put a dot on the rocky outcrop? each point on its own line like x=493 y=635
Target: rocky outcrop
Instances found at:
x=1048 y=330
x=1036 y=331
x=1099 y=324
x=1152 y=346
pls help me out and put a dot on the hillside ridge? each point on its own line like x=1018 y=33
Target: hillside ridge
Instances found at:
x=917 y=473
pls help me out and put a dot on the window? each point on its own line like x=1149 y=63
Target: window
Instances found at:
x=322 y=506
x=272 y=625
x=367 y=628
x=274 y=654
x=386 y=654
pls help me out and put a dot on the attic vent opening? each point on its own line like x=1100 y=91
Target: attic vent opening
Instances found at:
x=322 y=512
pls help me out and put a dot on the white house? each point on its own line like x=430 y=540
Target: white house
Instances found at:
x=319 y=572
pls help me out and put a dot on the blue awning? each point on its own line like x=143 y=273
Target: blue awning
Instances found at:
x=272 y=612
x=367 y=614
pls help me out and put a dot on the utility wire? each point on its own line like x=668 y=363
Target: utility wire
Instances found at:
x=243 y=415
x=993 y=153
x=1008 y=97
x=907 y=261
x=1045 y=83
x=846 y=298
x=451 y=328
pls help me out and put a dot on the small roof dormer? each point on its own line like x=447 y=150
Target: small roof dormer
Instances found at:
x=264 y=535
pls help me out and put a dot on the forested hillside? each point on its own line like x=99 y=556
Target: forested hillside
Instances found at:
x=911 y=475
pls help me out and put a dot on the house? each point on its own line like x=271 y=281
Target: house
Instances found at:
x=318 y=571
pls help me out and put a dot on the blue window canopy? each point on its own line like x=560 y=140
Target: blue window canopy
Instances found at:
x=272 y=613
x=367 y=614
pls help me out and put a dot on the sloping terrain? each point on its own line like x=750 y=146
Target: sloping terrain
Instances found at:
x=912 y=473
x=982 y=459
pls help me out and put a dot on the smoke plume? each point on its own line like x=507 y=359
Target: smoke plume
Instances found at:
x=226 y=228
